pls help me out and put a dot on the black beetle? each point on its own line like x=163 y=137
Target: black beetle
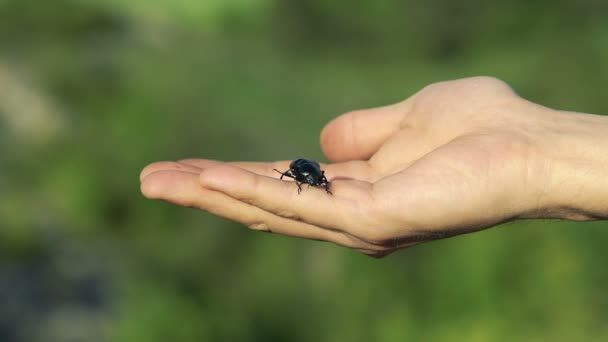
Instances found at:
x=305 y=171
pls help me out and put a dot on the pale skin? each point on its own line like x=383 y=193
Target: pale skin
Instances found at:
x=456 y=157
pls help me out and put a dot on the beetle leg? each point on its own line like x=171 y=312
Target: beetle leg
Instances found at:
x=325 y=182
x=327 y=188
x=287 y=173
x=299 y=187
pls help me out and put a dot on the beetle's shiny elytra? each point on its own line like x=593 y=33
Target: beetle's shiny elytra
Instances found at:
x=305 y=171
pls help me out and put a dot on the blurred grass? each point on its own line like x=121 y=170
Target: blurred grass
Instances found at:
x=115 y=85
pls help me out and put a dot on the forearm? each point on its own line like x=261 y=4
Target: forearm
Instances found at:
x=576 y=184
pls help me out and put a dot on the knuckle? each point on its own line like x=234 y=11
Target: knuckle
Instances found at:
x=289 y=214
x=351 y=241
x=376 y=254
x=376 y=236
x=372 y=225
x=472 y=83
x=490 y=85
x=247 y=200
x=491 y=81
x=260 y=226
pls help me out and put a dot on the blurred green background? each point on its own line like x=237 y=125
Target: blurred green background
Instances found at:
x=91 y=91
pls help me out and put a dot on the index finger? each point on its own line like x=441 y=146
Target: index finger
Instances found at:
x=347 y=210
x=354 y=169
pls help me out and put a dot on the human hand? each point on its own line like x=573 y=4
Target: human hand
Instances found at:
x=457 y=157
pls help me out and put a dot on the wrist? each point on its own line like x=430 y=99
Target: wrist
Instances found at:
x=575 y=184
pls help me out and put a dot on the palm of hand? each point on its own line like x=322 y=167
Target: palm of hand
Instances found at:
x=449 y=160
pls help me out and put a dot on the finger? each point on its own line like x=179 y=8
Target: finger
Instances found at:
x=403 y=149
x=196 y=165
x=183 y=188
x=359 y=134
x=349 y=170
x=261 y=168
x=347 y=210
x=167 y=165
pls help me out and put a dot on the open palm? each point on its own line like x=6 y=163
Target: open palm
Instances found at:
x=457 y=157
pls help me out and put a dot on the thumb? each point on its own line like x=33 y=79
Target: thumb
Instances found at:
x=357 y=135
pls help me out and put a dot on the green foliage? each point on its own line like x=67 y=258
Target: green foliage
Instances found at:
x=113 y=85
